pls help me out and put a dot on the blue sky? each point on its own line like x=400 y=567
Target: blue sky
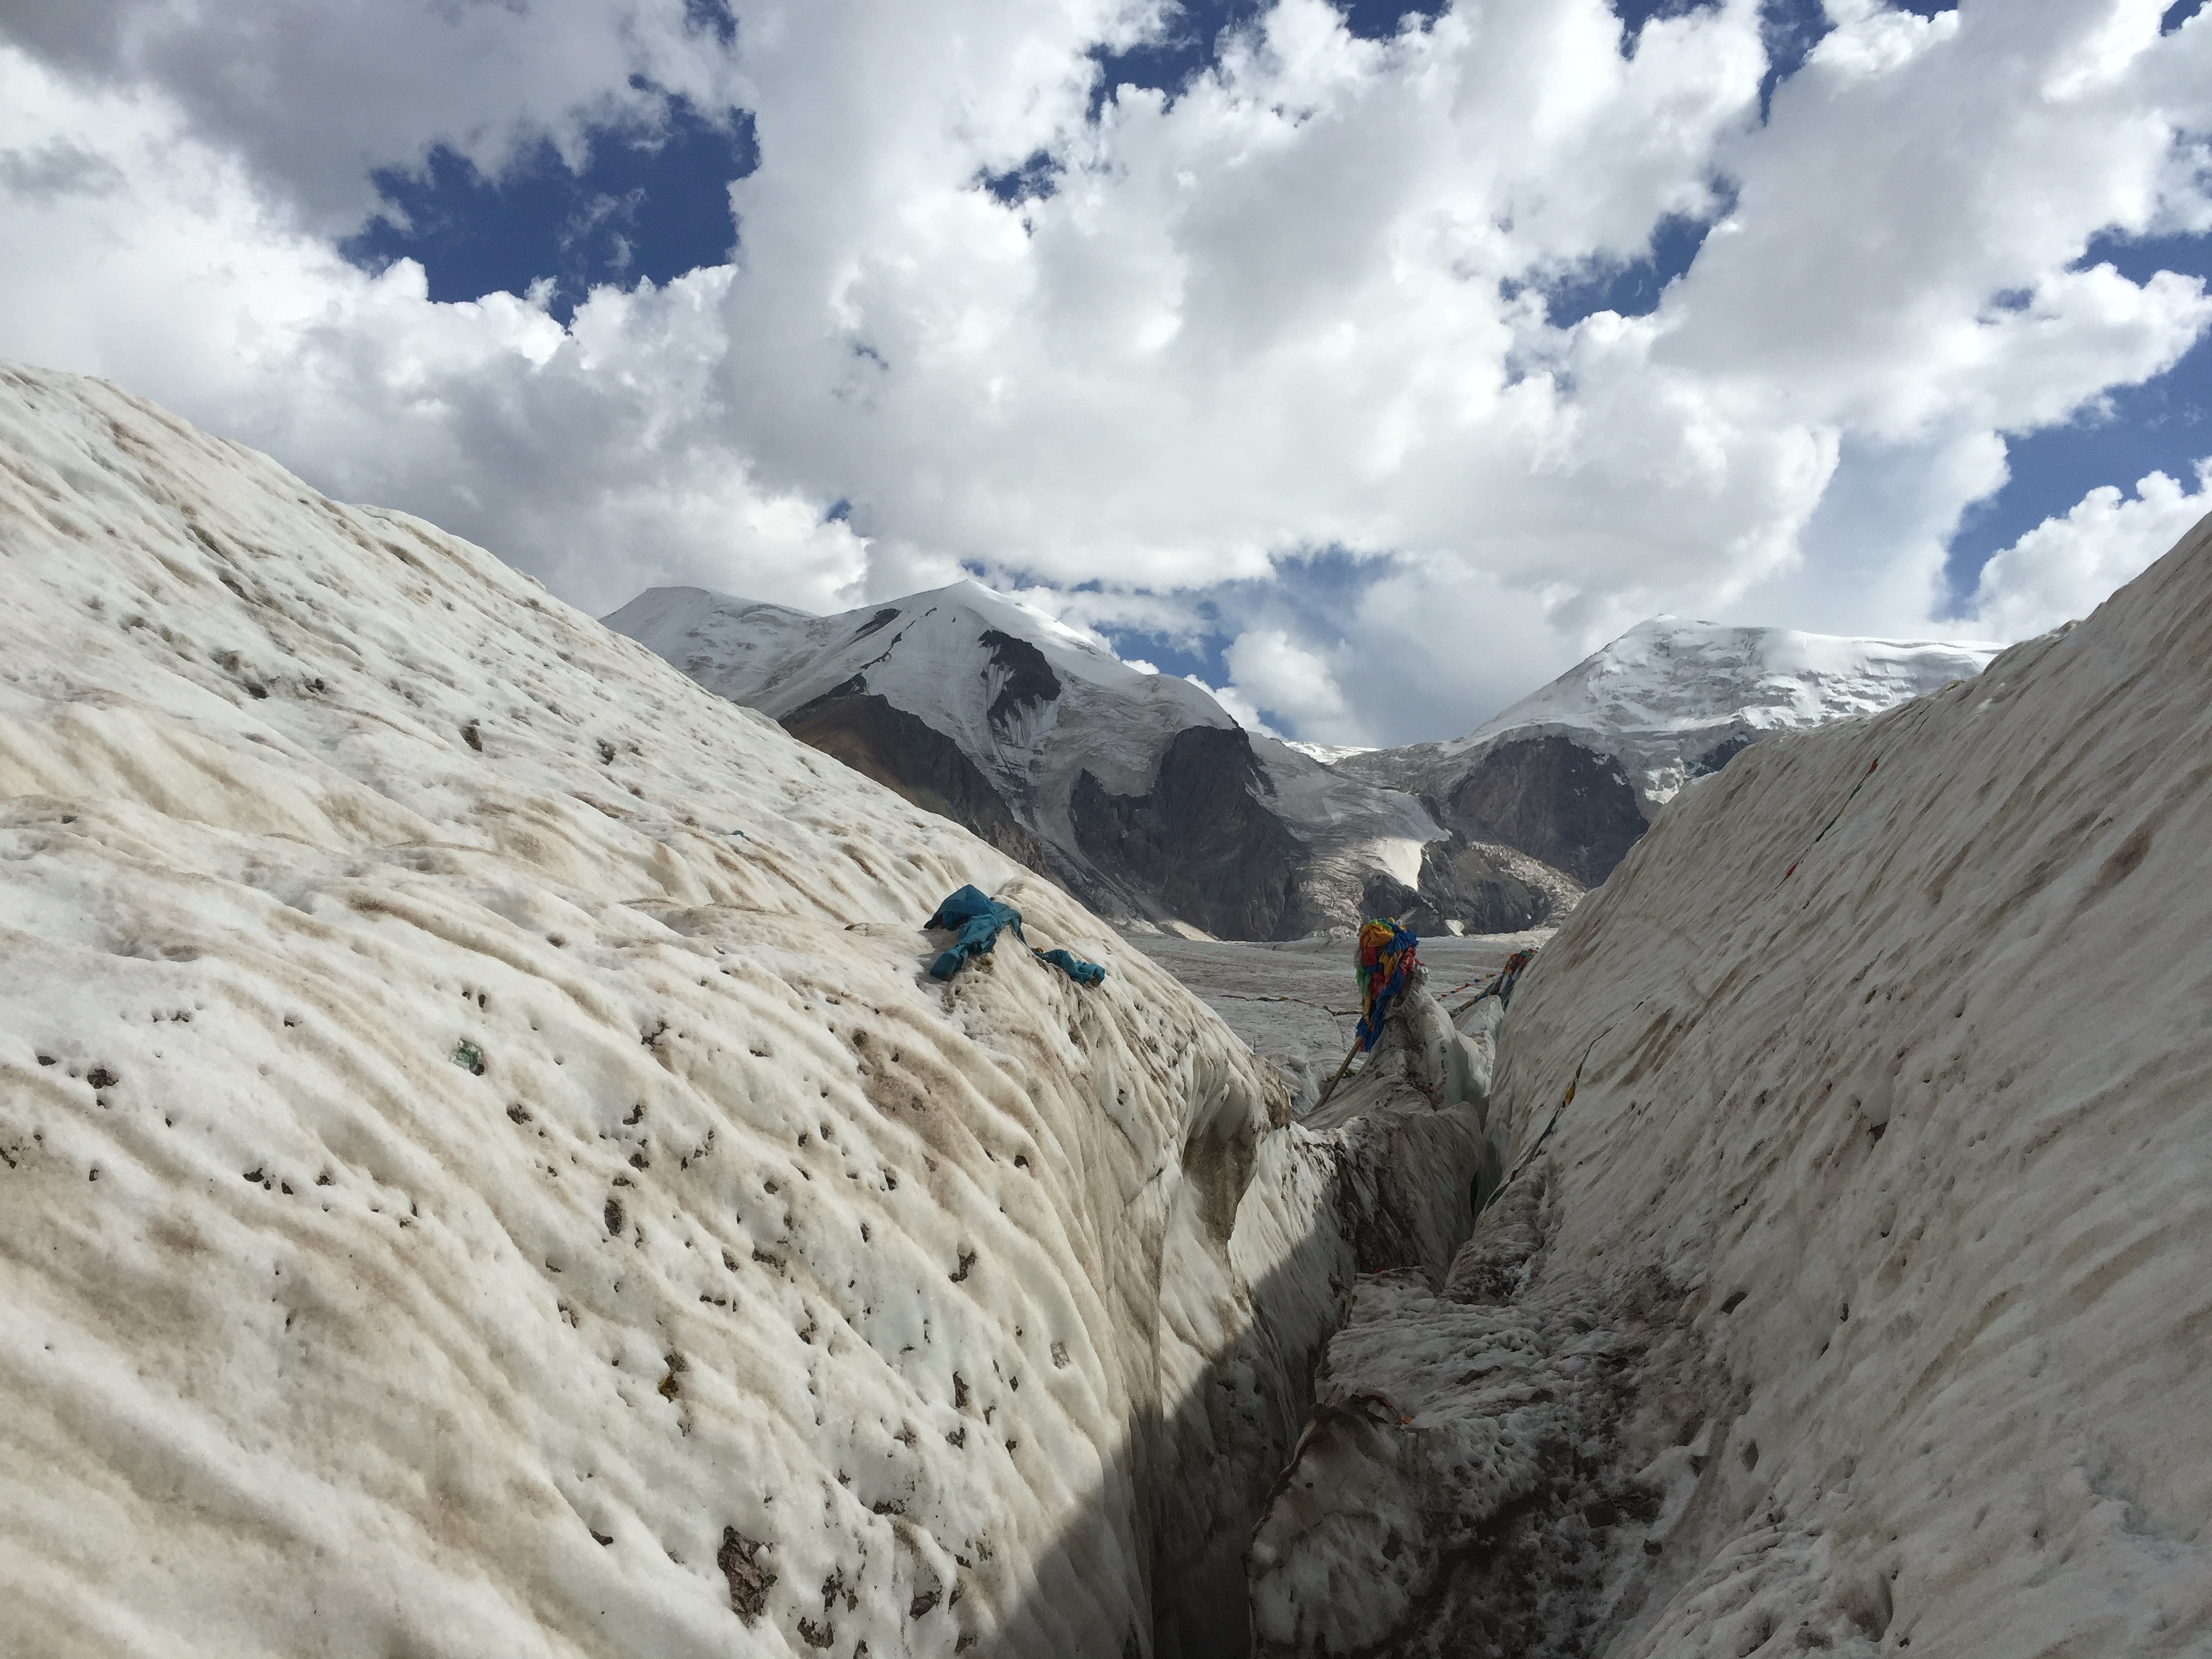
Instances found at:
x=649 y=203
x=1272 y=340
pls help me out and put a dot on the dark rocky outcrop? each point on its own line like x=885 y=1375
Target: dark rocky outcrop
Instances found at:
x=1202 y=840
x=1552 y=800
x=1462 y=882
x=1029 y=677
x=883 y=619
x=905 y=754
x=1721 y=754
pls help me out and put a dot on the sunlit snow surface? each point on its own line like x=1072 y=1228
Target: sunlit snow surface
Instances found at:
x=476 y=1140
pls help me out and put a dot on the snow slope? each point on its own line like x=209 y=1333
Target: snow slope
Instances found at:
x=1036 y=706
x=1670 y=701
x=482 y=1170
x=1855 y=1288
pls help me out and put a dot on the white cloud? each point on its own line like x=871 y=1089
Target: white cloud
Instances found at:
x=2065 y=568
x=1242 y=709
x=1271 y=671
x=311 y=97
x=1290 y=310
x=595 y=458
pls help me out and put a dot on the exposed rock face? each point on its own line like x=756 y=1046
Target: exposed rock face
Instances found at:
x=1488 y=888
x=1202 y=838
x=1478 y=887
x=1551 y=799
x=1024 y=677
x=1571 y=772
x=1851 y=1286
x=885 y=743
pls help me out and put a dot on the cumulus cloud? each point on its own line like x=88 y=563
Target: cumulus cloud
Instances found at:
x=2063 y=568
x=594 y=456
x=1297 y=686
x=1242 y=709
x=1298 y=308
x=311 y=97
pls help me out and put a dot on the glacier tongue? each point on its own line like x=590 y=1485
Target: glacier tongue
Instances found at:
x=1853 y=1292
x=482 y=1169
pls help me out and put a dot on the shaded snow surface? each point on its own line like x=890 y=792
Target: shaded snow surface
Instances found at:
x=1860 y=1295
x=483 y=1171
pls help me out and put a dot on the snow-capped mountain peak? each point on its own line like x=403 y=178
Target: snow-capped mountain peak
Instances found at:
x=997 y=677
x=1673 y=698
x=1138 y=789
x=1673 y=674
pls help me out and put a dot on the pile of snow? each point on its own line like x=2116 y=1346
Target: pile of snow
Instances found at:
x=1854 y=1291
x=482 y=1170
x=1671 y=699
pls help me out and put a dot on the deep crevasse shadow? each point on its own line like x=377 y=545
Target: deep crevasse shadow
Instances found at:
x=1155 y=1563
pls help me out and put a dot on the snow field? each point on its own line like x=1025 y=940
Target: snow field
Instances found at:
x=482 y=1171
x=1861 y=1299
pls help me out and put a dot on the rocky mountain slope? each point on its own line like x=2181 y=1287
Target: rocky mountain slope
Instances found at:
x=483 y=1170
x=1136 y=791
x=1572 y=774
x=1852 y=1291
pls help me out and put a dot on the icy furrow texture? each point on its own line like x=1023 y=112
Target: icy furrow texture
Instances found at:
x=482 y=1170
x=1861 y=1298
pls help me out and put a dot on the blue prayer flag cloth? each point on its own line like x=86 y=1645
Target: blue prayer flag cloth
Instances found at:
x=977 y=920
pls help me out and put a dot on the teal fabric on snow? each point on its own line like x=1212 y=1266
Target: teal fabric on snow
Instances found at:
x=1082 y=972
x=978 y=920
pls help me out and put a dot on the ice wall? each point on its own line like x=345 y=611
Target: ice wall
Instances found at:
x=482 y=1170
x=1853 y=1292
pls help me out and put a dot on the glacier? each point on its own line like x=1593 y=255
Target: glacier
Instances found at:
x=1849 y=1289
x=483 y=1168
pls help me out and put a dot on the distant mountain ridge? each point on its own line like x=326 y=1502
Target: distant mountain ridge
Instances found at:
x=1573 y=772
x=1142 y=795
x=1137 y=791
